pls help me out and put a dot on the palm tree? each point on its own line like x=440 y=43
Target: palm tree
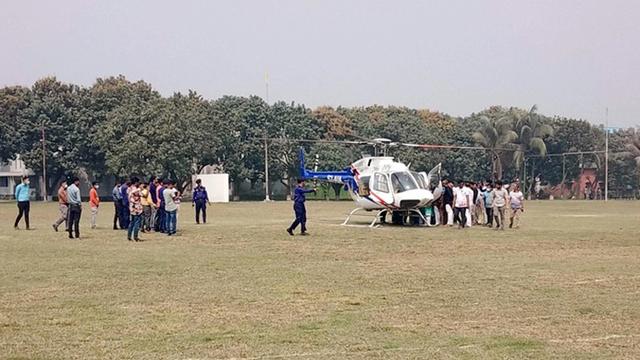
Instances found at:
x=497 y=136
x=531 y=132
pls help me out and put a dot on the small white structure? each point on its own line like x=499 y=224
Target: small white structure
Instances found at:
x=11 y=174
x=217 y=186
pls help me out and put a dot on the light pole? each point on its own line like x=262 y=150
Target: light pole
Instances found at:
x=606 y=155
x=266 y=143
x=44 y=165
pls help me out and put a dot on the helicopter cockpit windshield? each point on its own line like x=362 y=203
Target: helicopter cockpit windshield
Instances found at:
x=402 y=181
x=422 y=184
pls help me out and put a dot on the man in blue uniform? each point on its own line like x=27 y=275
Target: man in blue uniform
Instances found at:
x=125 y=215
x=117 y=203
x=200 y=200
x=22 y=195
x=299 y=209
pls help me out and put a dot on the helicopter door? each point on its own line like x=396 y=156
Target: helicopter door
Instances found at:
x=381 y=189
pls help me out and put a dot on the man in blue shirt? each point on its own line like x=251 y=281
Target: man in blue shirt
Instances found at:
x=117 y=204
x=75 y=207
x=22 y=195
x=124 y=202
x=200 y=200
x=299 y=208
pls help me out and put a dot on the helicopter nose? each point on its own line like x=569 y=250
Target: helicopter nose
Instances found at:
x=414 y=198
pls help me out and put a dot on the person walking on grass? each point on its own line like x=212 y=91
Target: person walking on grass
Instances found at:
x=200 y=201
x=94 y=202
x=153 y=192
x=299 y=209
x=75 y=208
x=160 y=212
x=63 y=207
x=135 y=209
x=488 y=204
x=516 y=198
x=117 y=204
x=147 y=208
x=500 y=202
x=23 y=196
x=461 y=201
x=170 y=196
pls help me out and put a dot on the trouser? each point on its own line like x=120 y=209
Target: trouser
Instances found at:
x=449 y=211
x=152 y=220
x=171 y=220
x=73 y=222
x=460 y=214
x=515 y=217
x=146 y=218
x=489 y=216
x=94 y=215
x=64 y=212
x=23 y=210
x=201 y=205
x=436 y=212
x=301 y=218
x=469 y=216
x=498 y=215
x=480 y=215
x=116 y=215
x=134 y=226
x=160 y=220
x=124 y=215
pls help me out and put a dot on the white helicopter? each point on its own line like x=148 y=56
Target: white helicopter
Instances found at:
x=378 y=183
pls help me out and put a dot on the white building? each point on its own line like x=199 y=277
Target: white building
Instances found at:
x=11 y=174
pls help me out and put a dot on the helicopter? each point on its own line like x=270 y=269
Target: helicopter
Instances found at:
x=381 y=184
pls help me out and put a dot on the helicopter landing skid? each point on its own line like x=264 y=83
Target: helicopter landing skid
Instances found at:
x=355 y=211
x=376 y=220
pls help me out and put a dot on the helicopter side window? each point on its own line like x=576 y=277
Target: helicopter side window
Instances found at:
x=363 y=186
x=402 y=181
x=381 y=183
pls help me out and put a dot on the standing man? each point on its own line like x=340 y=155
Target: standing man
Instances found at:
x=298 y=207
x=117 y=203
x=160 y=213
x=75 y=208
x=135 y=209
x=488 y=204
x=461 y=201
x=147 y=207
x=23 y=196
x=63 y=205
x=500 y=200
x=170 y=195
x=153 y=192
x=200 y=200
x=447 y=199
x=516 y=198
x=125 y=215
x=94 y=202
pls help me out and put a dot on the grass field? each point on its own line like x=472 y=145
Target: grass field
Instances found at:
x=566 y=285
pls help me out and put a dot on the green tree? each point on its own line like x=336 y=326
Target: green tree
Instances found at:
x=13 y=101
x=496 y=134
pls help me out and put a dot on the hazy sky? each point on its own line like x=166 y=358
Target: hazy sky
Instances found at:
x=572 y=58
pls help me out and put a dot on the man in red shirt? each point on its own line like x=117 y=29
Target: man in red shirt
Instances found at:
x=94 y=202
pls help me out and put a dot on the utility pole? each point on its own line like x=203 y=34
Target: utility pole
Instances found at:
x=266 y=143
x=44 y=166
x=606 y=155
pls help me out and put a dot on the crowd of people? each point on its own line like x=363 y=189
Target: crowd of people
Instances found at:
x=139 y=206
x=468 y=203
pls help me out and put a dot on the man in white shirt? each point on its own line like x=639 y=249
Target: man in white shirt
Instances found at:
x=500 y=201
x=516 y=198
x=461 y=201
x=471 y=206
x=170 y=195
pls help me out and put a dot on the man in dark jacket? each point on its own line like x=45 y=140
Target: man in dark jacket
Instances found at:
x=200 y=200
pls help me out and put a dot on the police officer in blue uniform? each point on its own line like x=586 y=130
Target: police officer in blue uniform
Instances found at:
x=200 y=200
x=298 y=207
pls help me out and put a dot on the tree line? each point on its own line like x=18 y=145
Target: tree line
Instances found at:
x=117 y=127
